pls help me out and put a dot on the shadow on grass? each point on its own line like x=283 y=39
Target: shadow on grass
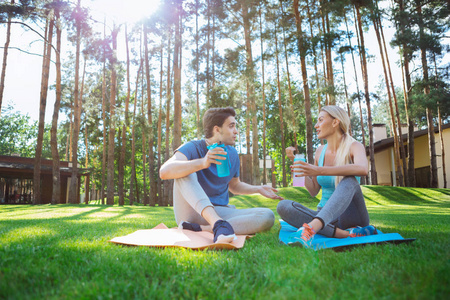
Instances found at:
x=68 y=217
x=405 y=195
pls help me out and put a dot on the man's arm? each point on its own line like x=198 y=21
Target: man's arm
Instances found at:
x=237 y=187
x=178 y=166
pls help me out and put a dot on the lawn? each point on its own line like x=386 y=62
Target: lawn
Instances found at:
x=61 y=252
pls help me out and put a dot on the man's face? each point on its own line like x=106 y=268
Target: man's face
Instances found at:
x=228 y=131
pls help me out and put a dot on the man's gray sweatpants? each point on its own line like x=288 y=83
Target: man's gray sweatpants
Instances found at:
x=345 y=208
x=189 y=200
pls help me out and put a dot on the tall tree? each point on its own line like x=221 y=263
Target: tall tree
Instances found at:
x=5 y=56
x=426 y=90
x=43 y=103
x=302 y=48
x=286 y=58
x=373 y=171
x=112 y=128
x=151 y=155
x=104 y=109
x=168 y=183
x=403 y=38
x=280 y=107
x=377 y=26
x=263 y=92
x=177 y=76
x=160 y=114
x=250 y=82
x=73 y=188
x=56 y=174
x=124 y=127
x=133 y=138
x=397 y=112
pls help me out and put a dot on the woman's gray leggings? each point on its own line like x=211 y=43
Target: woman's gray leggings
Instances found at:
x=345 y=208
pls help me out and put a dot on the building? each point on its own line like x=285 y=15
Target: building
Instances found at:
x=385 y=155
x=16 y=180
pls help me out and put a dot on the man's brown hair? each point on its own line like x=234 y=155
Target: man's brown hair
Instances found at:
x=216 y=117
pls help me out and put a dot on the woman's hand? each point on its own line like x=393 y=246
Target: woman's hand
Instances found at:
x=302 y=168
x=290 y=153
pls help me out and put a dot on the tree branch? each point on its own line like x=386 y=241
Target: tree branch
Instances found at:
x=15 y=48
x=29 y=27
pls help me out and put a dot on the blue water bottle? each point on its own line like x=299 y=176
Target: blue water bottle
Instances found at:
x=223 y=170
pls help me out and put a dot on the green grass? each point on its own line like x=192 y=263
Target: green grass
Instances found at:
x=61 y=252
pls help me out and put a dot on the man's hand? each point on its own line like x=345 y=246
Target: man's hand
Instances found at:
x=212 y=156
x=269 y=192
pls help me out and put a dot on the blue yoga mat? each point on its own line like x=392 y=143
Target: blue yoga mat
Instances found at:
x=323 y=242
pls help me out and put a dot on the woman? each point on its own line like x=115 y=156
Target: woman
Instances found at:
x=342 y=211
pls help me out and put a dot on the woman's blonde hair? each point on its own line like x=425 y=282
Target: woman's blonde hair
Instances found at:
x=343 y=152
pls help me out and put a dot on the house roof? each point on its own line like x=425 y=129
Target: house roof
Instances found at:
x=389 y=142
x=25 y=165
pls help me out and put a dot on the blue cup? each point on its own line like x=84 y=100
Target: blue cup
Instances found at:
x=223 y=170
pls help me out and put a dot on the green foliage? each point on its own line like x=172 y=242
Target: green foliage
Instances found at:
x=62 y=251
x=17 y=133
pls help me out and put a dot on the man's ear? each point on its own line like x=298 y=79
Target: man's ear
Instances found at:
x=216 y=129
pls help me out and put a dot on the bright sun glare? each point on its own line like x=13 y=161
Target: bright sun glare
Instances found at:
x=125 y=11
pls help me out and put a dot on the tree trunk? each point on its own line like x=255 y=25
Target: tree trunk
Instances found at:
x=104 y=144
x=251 y=95
x=263 y=98
x=291 y=100
x=124 y=128
x=5 y=58
x=347 y=99
x=441 y=136
x=56 y=174
x=397 y=112
x=280 y=109
x=161 y=87
x=177 y=79
x=330 y=76
x=112 y=127
x=133 y=138
x=73 y=189
x=197 y=69
x=208 y=47
x=167 y=183
x=151 y=156
x=373 y=172
x=43 y=103
x=430 y=122
x=411 y=178
x=86 y=178
x=377 y=26
x=363 y=131
x=319 y=95
x=302 y=50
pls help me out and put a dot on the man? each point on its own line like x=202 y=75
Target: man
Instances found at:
x=201 y=197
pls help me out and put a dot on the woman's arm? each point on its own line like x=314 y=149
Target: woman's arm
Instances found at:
x=311 y=183
x=358 y=168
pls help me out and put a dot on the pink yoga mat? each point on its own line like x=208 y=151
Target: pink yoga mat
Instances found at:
x=162 y=236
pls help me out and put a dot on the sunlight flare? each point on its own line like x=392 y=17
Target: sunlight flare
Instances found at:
x=125 y=11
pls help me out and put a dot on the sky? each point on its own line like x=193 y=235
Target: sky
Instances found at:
x=23 y=72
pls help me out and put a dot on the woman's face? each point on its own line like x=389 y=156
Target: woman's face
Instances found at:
x=326 y=125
